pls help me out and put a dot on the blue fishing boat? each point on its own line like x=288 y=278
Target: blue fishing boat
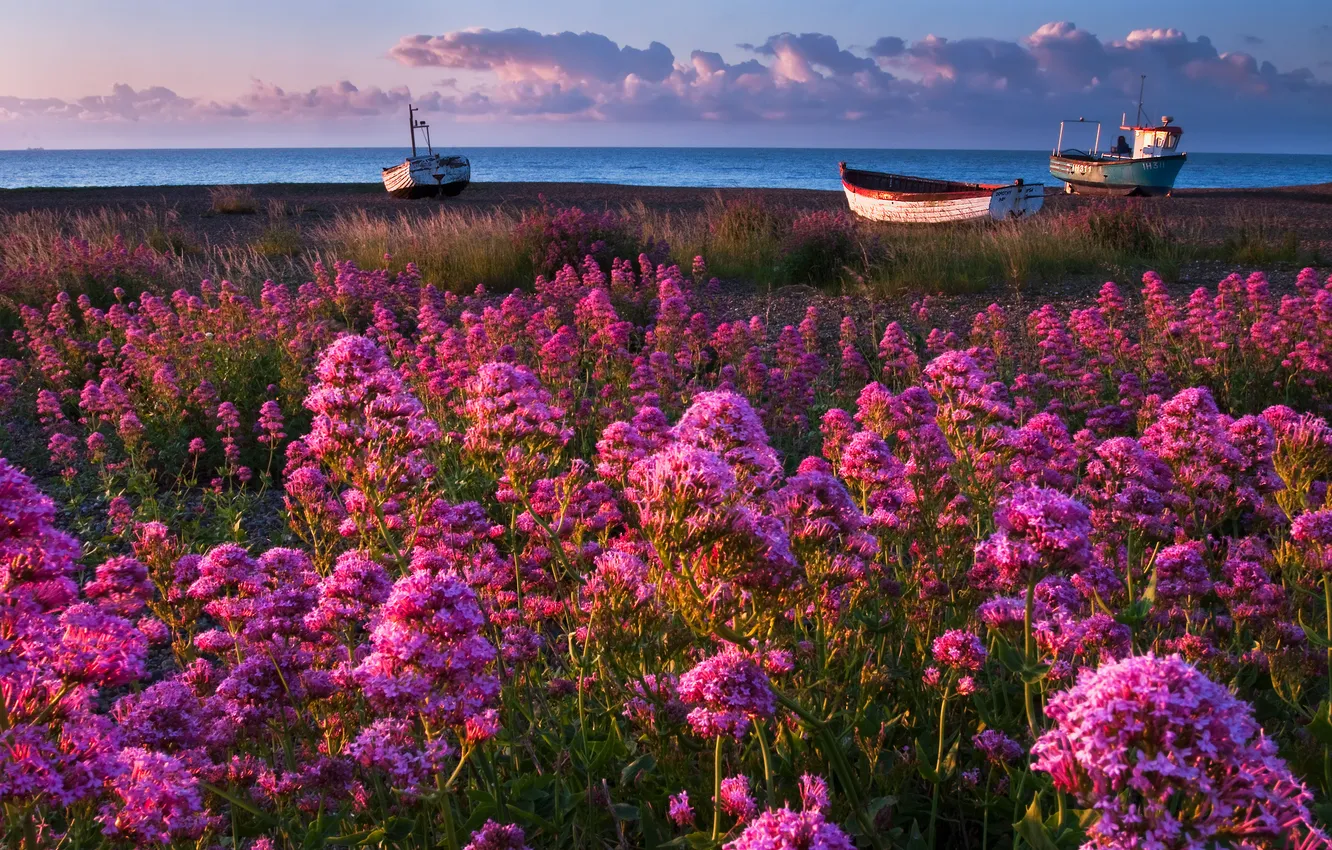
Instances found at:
x=1147 y=166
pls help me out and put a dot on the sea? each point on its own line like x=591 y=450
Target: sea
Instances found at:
x=809 y=168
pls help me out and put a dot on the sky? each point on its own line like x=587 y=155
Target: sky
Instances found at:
x=1238 y=76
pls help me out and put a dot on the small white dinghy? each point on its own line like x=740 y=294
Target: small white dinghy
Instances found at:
x=877 y=196
x=428 y=175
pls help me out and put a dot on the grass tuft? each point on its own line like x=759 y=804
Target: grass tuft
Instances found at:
x=233 y=200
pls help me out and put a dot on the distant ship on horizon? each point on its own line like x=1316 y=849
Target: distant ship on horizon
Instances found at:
x=36 y=149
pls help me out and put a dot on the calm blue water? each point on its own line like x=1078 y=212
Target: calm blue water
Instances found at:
x=730 y=167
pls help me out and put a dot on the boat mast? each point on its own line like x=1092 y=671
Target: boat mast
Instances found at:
x=1142 y=86
x=411 y=119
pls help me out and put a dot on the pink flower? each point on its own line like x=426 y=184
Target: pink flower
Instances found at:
x=508 y=410
x=960 y=650
x=783 y=829
x=98 y=648
x=679 y=811
x=1039 y=531
x=1167 y=757
x=997 y=747
x=120 y=513
x=813 y=793
x=121 y=586
x=495 y=836
x=428 y=653
x=389 y=748
x=481 y=727
x=682 y=482
x=724 y=423
x=270 y=424
x=357 y=585
x=156 y=800
x=736 y=800
x=1313 y=533
x=36 y=558
x=730 y=692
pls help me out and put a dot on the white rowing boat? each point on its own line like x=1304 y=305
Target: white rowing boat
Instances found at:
x=877 y=196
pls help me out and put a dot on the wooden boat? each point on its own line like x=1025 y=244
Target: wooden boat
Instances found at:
x=919 y=200
x=429 y=174
x=1147 y=167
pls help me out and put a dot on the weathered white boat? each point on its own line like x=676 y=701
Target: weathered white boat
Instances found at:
x=427 y=175
x=919 y=200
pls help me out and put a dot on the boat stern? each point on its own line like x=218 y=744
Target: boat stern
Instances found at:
x=1017 y=201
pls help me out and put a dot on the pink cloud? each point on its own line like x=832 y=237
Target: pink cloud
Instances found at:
x=517 y=54
x=810 y=77
x=263 y=101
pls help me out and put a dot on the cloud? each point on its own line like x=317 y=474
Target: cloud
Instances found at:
x=798 y=56
x=809 y=78
x=516 y=54
x=1253 y=40
x=263 y=101
x=330 y=101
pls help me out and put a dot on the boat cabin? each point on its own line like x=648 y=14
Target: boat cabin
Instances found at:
x=1162 y=140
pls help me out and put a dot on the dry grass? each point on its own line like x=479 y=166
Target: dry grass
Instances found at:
x=37 y=238
x=233 y=200
x=454 y=249
x=743 y=239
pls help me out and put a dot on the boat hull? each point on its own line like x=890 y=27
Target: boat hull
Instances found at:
x=999 y=203
x=428 y=177
x=1145 y=176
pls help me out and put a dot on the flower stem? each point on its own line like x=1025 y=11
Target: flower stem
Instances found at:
x=1029 y=652
x=1327 y=600
x=767 y=764
x=938 y=766
x=716 y=788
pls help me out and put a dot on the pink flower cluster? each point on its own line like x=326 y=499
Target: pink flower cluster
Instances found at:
x=1167 y=757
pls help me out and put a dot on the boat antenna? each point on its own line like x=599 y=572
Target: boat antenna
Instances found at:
x=411 y=119
x=1142 y=86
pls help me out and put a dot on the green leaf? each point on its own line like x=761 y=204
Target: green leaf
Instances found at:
x=1149 y=595
x=1032 y=827
x=1316 y=637
x=1321 y=725
x=916 y=841
x=624 y=811
x=926 y=771
x=1086 y=817
x=1100 y=603
x=648 y=823
x=1135 y=615
x=694 y=840
x=950 y=760
x=1009 y=657
x=643 y=764
x=1034 y=673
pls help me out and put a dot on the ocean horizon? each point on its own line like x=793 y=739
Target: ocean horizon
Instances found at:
x=811 y=168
